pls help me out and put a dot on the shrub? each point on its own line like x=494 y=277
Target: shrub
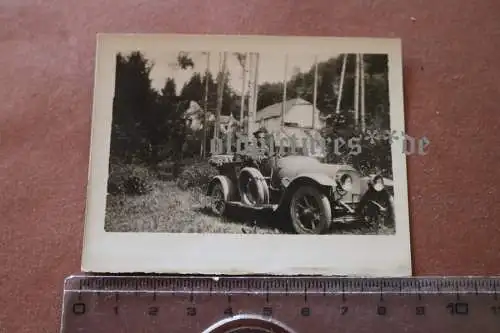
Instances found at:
x=129 y=179
x=196 y=175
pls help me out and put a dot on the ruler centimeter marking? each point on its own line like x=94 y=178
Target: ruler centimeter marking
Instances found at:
x=281 y=285
x=192 y=304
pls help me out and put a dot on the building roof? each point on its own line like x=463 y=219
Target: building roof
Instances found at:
x=274 y=110
x=195 y=111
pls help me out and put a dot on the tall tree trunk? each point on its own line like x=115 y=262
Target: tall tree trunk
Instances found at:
x=220 y=95
x=205 y=109
x=252 y=107
x=243 y=87
x=251 y=91
x=256 y=86
x=315 y=92
x=341 y=85
x=356 y=92
x=362 y=93
x=285 y=79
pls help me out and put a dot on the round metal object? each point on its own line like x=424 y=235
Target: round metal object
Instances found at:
x=247 y=323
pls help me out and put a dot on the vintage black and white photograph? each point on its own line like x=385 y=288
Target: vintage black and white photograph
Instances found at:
x=234 y=146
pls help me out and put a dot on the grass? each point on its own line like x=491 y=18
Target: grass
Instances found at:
x=168 y=208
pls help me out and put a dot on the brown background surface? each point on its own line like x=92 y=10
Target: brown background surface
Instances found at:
x=452 y=95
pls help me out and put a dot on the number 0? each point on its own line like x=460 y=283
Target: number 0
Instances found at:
x=79 y=308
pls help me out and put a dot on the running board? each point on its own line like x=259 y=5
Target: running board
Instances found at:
x=242 y=205
x=347 y=219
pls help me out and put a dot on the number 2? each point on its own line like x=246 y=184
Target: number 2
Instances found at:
x=381 y=310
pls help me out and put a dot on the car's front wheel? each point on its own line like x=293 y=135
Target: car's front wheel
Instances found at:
x=310 y=211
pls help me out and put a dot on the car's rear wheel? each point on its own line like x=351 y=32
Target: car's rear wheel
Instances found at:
x=217 y=201
x=310 y=211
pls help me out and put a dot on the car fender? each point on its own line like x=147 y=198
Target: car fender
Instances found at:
x=227 y=186
x=318 y=179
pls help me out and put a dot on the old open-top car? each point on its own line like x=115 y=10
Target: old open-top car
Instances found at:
x=312 y=195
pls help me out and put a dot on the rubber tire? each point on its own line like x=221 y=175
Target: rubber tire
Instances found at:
x=260 y=189
x=324 y=206
x=218 y=188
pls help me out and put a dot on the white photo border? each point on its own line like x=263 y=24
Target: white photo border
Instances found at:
x=237 y=254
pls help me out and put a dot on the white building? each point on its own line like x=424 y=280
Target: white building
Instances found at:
x=297 y=113
x=194 y=116
x=297 y=125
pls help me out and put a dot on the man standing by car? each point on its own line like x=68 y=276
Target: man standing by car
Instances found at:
x=377 y=203
x=262 y=138
x=260 y=155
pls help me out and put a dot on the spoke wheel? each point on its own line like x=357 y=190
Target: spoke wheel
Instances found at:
x=310 y=211
x=217 y=202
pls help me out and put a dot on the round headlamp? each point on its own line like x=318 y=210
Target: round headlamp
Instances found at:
x=346 y=182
